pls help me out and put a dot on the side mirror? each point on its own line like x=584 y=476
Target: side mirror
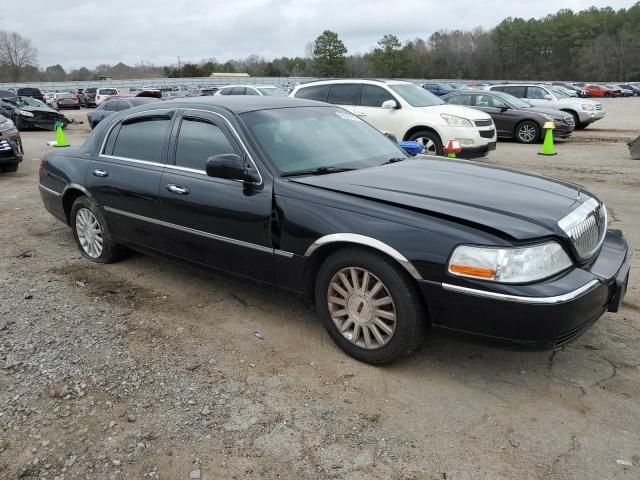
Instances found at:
x=390 y=104
x=231 y=167
x=504 y=108
x=548 y=97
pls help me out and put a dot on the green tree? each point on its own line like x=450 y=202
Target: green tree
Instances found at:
x=329 y=55
x=387 y=59
x=55 y=73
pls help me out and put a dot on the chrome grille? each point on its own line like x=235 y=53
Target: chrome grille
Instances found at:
x=4 y=146
x=599 y=106
x=586 y=227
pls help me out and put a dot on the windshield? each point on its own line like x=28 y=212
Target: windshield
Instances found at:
x=108 y=91
x=416 y=96
x=559 y=92
x=308 y=138
x=273 y=92
x=30 y=102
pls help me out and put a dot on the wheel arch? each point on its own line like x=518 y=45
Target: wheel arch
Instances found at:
x=70 y=194
x=319 y=250
x=419 y=128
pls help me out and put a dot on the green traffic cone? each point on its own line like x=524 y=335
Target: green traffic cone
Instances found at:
x=547 y=146
x=61 y=141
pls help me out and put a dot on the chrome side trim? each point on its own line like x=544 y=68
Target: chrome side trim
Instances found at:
x=133 y=160
x=567 y=297
x=48 y=190
x=193 y=231
x=369 y=242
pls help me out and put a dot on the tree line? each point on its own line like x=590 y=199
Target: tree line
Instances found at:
x=596 y=44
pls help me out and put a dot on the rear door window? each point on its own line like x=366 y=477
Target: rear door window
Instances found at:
x=237 y=91
x=315 y=92
x=459 y=100
x=536 y=93
x=344 y=94
x=141 y=138
x=515 y=90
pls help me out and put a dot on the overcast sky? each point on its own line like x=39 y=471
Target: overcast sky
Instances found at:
x=87 y=33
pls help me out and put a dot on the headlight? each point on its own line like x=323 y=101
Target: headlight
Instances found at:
x=547 y=117
x=454 y=121
x=509 y=265
x=7 y=125
x=587 y=108
x=24 y=113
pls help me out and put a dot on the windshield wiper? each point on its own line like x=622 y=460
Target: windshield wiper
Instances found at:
x=394 y=160
x=317 y=171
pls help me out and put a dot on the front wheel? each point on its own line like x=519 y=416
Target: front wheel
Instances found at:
x=527 y=132
x=369 y=306
x=91 y=232
x=430 y=141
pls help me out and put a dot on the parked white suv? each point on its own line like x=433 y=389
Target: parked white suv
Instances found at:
x=103 y=93
x=408 y=112
x=583 y=111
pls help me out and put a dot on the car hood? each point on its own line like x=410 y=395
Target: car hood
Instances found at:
x=578 y=100
x=40 y=110
x=518 y=205
x=464 y=112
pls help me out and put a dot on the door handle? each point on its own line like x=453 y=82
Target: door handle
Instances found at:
x=177 y=189
x=98 y=172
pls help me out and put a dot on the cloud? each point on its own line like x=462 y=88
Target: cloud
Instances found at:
x=88 y=33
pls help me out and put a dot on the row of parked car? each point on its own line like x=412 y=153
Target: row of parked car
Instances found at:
x=474 y=117
x=576 y=89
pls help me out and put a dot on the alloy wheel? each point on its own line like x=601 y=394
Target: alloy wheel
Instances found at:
x=89 y=233
x=361 y=308
x=527 y=133
x=429 y=147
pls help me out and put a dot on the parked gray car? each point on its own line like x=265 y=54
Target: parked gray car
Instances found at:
x=584 y=111
x=115 y=105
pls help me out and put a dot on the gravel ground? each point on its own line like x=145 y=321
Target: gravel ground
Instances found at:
x=146 y=369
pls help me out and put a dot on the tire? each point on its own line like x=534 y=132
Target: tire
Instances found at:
x=93 y=125
x=9 y=168
x=403 y=333
x=527 y=132
x=576 y=120
x=430 y=141
x=83 y=213
x=582 y=126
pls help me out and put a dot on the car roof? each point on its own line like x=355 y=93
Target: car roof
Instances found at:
x=369 y=81
x=246 y=85
x=242 y=103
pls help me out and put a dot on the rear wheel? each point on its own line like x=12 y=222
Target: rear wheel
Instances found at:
x=91 y=232
x=527 y=132
x=369 y=306
x=430 y=141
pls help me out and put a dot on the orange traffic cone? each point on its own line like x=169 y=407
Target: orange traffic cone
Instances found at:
x=451 y=148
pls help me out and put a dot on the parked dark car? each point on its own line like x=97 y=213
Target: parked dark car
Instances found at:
x=513 y=117
x=308 y=198
x=82 y=99
x=27 y=113
x=438 y=89
x=10 y=146
x=7 y=94
x=30 y=92
x=114 y=105
x=90 y=97
x=634 y=88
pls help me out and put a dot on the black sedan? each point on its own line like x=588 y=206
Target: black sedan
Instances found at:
x=115 y=105
x=10 y=146
x=513 y=117
x=310 y=199
x=27 y=113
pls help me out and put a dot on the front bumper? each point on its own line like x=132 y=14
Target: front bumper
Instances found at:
x=542 y=315
x=45 y=122
x=476 y=141
x=10 y=147
x=590 y=116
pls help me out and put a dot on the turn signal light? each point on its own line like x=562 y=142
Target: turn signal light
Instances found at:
x=469 y=271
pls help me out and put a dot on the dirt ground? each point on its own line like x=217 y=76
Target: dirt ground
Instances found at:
x=146 y=369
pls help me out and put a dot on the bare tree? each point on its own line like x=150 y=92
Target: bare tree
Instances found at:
x=16 y=52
